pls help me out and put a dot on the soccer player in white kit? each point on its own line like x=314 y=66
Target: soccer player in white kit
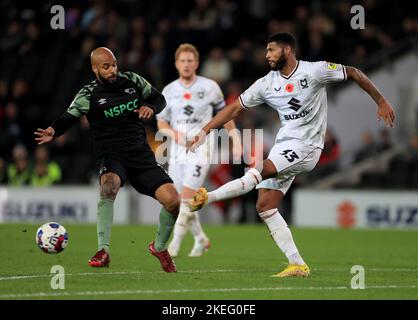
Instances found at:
x=192 y=101
x=296 y=89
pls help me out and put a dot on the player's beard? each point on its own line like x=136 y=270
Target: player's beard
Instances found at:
x=279 y=65
x=107 y=82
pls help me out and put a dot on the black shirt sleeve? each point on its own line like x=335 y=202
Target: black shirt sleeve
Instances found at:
x=156 y=100
x=63 y=123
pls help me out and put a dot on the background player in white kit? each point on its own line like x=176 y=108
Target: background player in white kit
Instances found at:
x=296 y=89
x=191 y=102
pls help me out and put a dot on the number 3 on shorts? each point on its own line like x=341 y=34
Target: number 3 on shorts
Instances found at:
x=290 y=155
x=197 y=173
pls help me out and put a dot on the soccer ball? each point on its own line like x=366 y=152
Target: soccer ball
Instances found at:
x=51 y=237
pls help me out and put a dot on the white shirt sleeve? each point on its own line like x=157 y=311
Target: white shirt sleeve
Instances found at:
x=253 y=96
x=328 y=72
x=166 y=113
x=217 y=98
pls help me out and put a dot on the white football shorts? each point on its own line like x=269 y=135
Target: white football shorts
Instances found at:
x=188 y=175
x=290 y=159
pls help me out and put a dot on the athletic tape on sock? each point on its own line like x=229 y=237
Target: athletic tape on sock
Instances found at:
x=267 y=214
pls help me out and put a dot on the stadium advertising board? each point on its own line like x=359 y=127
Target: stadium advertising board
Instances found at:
x=64 y=204
x=355 y=209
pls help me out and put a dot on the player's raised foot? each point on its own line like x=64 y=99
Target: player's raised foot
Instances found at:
x=200 y=247
x=173 y=250
x=199 y=200
x=100 y=259
x=165 y=259
x=294 y=270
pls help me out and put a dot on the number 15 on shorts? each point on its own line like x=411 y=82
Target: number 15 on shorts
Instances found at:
x=290 y=155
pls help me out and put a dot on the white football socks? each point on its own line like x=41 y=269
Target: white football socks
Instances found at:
x=281 y=234
x=196 y=228
x=181 y=226
x=237 y=187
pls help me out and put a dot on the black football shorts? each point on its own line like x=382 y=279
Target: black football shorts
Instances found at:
x=139 y=168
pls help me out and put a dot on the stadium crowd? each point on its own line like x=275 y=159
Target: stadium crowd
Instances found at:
x=41 y=69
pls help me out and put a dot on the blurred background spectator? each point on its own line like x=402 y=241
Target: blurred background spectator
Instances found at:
x=217 y=67
x=3 y=171
x=384 y=143
x=45 y=172
x=19 y=171
x=328 y=162
x=368 y=149
x=412 y=151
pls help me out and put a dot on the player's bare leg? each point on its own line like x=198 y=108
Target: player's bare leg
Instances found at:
x=186 y=220
x=234 y=188
x=168 y=196
x=267 y=203
x=109 y=188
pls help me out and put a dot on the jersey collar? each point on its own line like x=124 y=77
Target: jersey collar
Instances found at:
x=190 y=85
x=292 y=73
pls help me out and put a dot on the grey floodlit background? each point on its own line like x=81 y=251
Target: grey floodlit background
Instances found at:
x=41 y=69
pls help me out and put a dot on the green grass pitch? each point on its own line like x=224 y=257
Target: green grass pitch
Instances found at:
x=237 y=267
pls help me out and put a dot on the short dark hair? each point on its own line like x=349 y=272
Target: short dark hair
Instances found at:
x=283 y=38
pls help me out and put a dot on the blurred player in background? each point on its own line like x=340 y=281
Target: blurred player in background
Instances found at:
x=296 y=89
x=115 y=104
x=192 y=101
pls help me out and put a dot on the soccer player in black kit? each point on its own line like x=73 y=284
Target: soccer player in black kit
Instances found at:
x=115 y=104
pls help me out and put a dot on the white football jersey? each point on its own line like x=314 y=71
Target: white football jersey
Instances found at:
x=300 y=99
x=190 y=108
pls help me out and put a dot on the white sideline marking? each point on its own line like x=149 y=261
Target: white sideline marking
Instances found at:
x=117 y=273
x=122 y=292
x=6 y=278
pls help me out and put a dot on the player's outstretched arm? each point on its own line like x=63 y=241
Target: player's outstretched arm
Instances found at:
x=156 y=99
x=385 y=110
x=226 y=114
x=58 y=127
x=44 y=135
x=155 y=103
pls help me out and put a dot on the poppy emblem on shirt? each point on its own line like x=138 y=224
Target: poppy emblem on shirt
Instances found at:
x=289 y=87
x=187 y=96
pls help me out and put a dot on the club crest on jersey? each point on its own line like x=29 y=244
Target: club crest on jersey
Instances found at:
x=331 y=66
x=304 y=83
x=201 y=94
x=130 y=90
